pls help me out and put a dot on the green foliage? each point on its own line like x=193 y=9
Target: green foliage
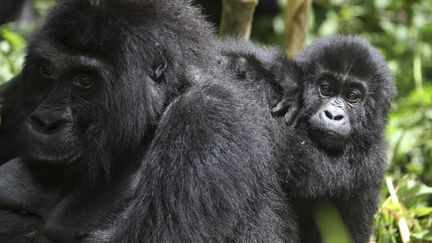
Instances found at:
x=13 y=42
x=11 y=53
x=412 y=206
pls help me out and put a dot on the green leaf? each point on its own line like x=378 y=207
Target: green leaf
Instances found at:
x=421 y=212
x=17 y=42
x=422 y=235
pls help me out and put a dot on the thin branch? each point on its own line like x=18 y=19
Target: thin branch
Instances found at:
x=296 y=25
x=237 y=17
x=402 y=222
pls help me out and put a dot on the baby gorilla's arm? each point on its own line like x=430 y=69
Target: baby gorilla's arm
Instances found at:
x=288 y=77
x=251 y=62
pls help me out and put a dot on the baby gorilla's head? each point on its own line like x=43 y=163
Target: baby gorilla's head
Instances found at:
x=347 y=91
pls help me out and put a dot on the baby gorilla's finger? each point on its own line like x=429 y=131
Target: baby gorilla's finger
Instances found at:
x=281 y=108
x=295 y=122
x=291 y=116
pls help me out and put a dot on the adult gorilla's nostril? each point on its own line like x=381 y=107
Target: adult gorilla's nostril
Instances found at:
x=328 y=114
x=47 y=123
x=36 y=122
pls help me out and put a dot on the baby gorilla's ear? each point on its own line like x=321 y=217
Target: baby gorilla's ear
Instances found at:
x=238 y=66
x=288 y=76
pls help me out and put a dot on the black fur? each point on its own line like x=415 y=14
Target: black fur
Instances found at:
x=255 y=64
x=11 y=120
x=132 y=133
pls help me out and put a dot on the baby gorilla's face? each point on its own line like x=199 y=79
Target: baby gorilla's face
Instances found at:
x=336 y=100
x=347 y=90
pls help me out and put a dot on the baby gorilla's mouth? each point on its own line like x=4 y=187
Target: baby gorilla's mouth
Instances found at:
x=329 y=140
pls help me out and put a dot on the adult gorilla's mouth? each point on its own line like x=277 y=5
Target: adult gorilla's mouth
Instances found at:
x=58 y=148
x=55 y=154
x=41 y=157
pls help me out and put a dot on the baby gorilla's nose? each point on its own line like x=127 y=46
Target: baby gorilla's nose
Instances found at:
x=334 y=113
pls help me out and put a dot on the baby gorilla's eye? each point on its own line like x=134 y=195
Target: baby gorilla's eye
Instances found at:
x=47 y=70
x=83 y=81
x=353 y=96
x=326 y=89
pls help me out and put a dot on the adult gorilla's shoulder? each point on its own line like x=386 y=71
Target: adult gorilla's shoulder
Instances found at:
x=146 y=138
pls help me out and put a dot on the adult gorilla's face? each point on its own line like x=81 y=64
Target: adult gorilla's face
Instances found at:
x=347 y=93
x=67 y=88
x=92 y=90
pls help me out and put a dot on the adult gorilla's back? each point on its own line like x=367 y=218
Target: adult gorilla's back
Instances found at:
x=121 y=108
x=207 y=175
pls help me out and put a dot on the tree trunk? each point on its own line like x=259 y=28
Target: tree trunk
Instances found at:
x=237 y=17
x=296 y=25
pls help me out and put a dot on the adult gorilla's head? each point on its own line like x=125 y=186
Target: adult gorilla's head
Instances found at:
x=348 y=89
x=94 y=85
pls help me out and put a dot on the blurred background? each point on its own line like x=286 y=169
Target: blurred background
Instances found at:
x=401 y=29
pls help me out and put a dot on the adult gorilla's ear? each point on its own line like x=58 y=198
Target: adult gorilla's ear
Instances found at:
x=158 y=67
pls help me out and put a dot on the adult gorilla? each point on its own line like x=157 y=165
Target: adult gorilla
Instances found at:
x=128 y=132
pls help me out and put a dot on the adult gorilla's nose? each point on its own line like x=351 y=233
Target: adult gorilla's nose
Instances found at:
x=48 y=135
x=49 y=121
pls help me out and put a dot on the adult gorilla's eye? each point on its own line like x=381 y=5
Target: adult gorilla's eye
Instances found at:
x=47 y=70
x=326 y=89
x=83 y=81
x=353 y=96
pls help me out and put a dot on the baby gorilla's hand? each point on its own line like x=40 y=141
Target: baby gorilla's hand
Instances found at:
x=287 y=76
x=288 y=107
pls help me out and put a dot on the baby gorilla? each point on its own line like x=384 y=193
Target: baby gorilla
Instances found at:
x=336 y=151
x=335 y=96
